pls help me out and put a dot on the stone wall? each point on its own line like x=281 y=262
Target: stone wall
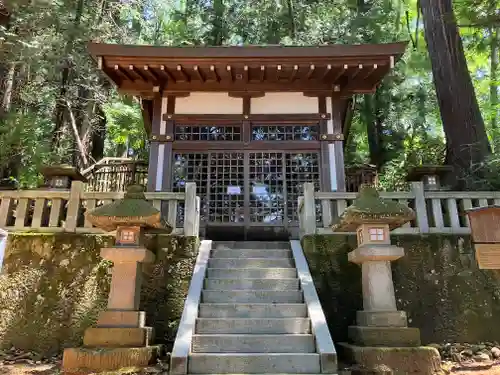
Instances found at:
x=437 y=283
x=53 y=285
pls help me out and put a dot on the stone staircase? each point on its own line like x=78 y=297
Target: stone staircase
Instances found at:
x=256 y=314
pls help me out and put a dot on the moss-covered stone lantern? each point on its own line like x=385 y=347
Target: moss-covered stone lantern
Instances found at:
x=372 y=218
x=122 y=325
x=380 y=326
x=61 y=176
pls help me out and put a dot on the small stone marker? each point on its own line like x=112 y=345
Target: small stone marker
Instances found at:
x=380 y=324
x=122 y=326
x=485 y=230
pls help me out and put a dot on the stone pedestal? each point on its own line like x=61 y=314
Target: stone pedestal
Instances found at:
x=121 y=338
x=380 y=323
x=382 y=335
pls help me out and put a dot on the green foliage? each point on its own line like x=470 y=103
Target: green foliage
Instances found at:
x=395 y=129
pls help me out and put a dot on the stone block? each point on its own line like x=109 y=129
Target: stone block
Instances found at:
x=127 y=255
x=121 y=319
x=384 y=336
x=375 y=253
x=381 y=318
x=117 y=337
x=419 y=360
x=81 y=360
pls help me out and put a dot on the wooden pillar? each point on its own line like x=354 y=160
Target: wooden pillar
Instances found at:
x=157 y=148
x=336 y=148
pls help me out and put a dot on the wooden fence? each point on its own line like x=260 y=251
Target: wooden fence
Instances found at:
x=63 y=210
x=436 y=211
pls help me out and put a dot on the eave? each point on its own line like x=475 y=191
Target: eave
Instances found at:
x=344 y=69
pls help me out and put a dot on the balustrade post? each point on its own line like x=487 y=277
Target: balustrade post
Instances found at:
x=75 y=194
x=420 y=206
x=191 y=211
x=309 y=209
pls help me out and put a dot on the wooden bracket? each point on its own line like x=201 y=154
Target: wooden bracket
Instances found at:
x=332 y=137
x=162 y=138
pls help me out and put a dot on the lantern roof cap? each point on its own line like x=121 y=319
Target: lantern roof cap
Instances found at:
x=479 y=209
x=370 y=208
x=132 y=210
x=416 y=173
x=62 y=170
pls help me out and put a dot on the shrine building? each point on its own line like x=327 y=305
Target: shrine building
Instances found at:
x=249 y=125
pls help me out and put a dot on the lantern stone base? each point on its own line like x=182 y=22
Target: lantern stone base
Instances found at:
x=121 y=318
x=85 y=360
x=419 y=360
x=381 y=318
x=117 y=337
x=384 y=336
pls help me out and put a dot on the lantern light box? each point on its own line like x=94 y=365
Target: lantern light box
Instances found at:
x=485 y=230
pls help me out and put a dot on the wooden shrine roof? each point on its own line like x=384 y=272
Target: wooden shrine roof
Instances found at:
x=347 y=69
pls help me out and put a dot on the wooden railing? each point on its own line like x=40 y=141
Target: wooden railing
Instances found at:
x=63 y=210
x=115 y=174
x=436 y=211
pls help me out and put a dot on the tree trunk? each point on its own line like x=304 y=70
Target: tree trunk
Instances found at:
x=7 y=89
x=467 y=144
x=495 y=61
x=67 y=67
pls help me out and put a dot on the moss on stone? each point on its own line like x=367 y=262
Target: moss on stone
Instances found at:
x=53 y=286
x=437 y=283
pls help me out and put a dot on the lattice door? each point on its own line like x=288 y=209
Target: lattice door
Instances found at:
x=226 y=191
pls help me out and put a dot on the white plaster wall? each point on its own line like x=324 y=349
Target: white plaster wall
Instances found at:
x=284 y=102
x=208 y=103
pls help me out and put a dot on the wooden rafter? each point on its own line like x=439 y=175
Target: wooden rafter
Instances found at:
x=295 y=70
x=134 y=73
x=149 y=74
x=198 y=73
x=214 y=73
x=183 y=73
x=311 y=71
x=166 y=73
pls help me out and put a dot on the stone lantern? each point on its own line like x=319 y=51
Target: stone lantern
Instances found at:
x=429 y=175
x=121 y=325
x=61 y=176
x=381 y=335
x=372 y=218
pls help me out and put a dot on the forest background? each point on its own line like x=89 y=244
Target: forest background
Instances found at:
x=439 y=105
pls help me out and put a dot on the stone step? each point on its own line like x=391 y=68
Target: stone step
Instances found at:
x=251 y=253
x=250 y=263
x=251 y=284
x=253 y=343
x=252 y=310
x=253 y=326
x=251 y=273
x=253 y=363
x=252 y=296
x=225 y=245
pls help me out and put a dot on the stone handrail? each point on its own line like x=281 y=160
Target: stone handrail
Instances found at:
x=436 y=211
x=50 y=210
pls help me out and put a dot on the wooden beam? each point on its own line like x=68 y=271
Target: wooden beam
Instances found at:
x=356 y=72
x=199 y=73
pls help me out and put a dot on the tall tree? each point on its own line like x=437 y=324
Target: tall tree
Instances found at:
x=466 y=138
